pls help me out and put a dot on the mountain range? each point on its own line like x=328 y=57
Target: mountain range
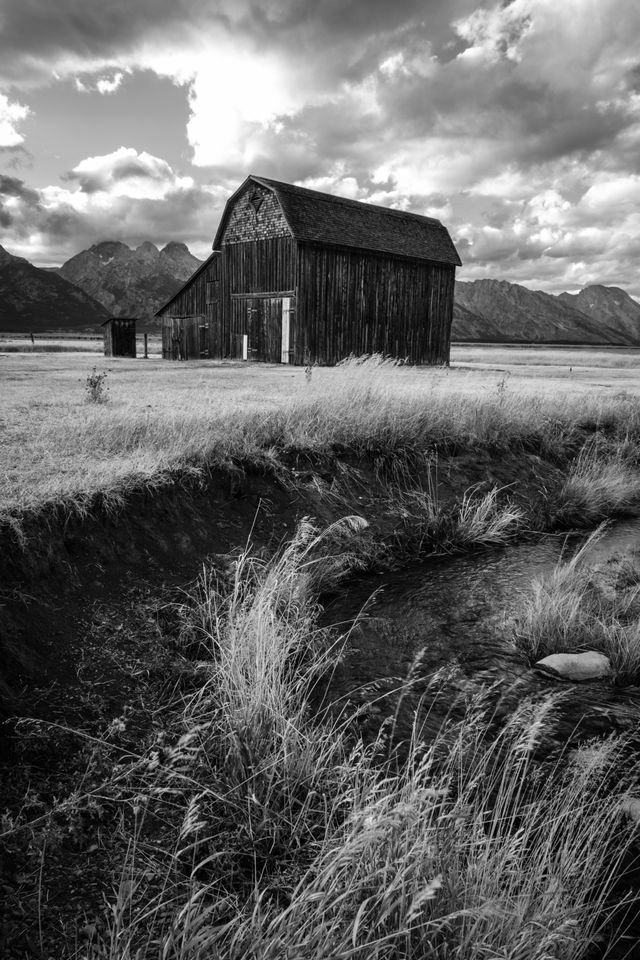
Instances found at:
x=112 y=279
x=130 y=283
x=498 y=311
x=34 y=300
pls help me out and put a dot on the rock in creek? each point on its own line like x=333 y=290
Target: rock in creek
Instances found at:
x=575 y=666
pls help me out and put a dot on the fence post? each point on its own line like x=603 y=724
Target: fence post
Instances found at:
x=146 y=353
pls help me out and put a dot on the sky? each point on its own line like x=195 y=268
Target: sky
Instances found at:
x=517 y=124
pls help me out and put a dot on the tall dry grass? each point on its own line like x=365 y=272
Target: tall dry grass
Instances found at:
x=601 y=483
x=282 y=835
x=367 y=407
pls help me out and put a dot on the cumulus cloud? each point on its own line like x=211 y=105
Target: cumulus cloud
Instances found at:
x=52 y=224
x=11 y=114
x=104 y=85
x=127 y=173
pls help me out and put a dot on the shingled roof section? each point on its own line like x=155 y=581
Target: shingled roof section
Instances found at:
x=315 y=217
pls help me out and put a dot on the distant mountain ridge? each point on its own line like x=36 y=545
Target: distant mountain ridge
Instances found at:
x=610 y=304
x=35 y=300
x=499 y=311
x=131 y=282
x=112 y=279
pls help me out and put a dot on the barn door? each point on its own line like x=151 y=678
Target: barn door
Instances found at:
x=264 y=329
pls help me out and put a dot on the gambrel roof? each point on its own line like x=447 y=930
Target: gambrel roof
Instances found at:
x=315 y=217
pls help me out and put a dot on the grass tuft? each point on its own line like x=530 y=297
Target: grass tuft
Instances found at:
x=600 y=484
x=578 y=607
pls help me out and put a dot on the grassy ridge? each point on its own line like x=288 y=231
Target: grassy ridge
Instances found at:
x=369 y=407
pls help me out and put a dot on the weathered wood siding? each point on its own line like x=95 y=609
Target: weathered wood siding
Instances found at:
x=260 y=319
x=256 y=215
x=352 y=301
x=284 y=299
x=200 y=299
x=120 y=337
x=257 y=267
x=185 y=338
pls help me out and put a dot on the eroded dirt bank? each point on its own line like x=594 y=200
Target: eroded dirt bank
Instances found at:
x=58 y=568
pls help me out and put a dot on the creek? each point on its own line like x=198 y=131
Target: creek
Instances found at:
x=460 y=610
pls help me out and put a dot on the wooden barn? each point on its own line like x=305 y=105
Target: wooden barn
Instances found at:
x=119 y=336
x=298 y=276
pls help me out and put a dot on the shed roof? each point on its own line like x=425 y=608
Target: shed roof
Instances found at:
x=316 y=217
x=111 y=319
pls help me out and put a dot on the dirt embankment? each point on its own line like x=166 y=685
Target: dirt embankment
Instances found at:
x=58 y=568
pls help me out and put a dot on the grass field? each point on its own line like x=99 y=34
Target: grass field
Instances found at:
x=220 y=811
x=161 y=416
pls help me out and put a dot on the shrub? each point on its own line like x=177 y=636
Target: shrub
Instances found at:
x=96 y=387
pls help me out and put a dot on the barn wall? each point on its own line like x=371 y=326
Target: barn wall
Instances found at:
x=185 y=338
x=259 y=266
x=200 y=298
x=192 y=300
x=352 y=301
x=250 y=268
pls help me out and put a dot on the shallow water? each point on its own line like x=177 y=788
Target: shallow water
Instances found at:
x=460 y=610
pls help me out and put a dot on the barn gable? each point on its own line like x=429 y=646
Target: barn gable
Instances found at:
x=253 y=213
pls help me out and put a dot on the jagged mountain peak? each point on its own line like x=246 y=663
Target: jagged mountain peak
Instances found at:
x=147 y=250
x=608 y=305
x=128 y=282
x=175 y=250
x=106 y=250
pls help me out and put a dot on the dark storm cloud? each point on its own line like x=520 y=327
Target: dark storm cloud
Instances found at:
x=35 y=32
x=13 y=187
x=342 y=34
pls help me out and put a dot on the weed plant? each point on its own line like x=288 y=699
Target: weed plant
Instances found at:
x=269 y=830
x=96 y=387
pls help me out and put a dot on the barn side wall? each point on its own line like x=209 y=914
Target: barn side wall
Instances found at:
x=201 y=297
x=352 y=301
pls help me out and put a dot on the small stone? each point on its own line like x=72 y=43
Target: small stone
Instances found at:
x=575 y=667
x=630 y=806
